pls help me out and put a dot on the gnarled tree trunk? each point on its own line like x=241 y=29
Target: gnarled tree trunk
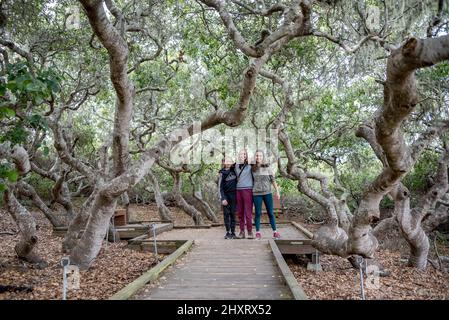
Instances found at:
x=410 y=221
x=400 y=97
x=295 y=23
x=438 y=217
x=78 y=223
x=205 y=207
x=26 y=246
x=210 y=214
x=89 y=245
x=182 y=203
x=60 y=192
x=164 y=212
x=410 y=225
x=28 y=191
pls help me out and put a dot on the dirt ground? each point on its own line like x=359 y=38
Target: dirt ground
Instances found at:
x=148 y=212
x=114 y=268
x=339 y=280
x=117 y=266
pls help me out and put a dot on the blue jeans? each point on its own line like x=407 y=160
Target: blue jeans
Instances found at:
x=268 y=200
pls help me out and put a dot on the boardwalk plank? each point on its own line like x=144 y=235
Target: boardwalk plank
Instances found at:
x=223 y=269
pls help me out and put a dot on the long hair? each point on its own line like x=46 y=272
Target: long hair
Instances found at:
x=246 y=159
x=256 y=165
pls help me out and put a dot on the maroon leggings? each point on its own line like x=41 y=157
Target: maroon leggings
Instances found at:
x=245 y=209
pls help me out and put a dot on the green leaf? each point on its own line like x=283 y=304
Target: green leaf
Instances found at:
x=33 y=87
x=54 y=85
x=12 y=175
x=37 y=121
x=16 y=135
x=2 y=187
x=38 y=99
x=23 y=81
x=12 y=85
x=7 y=112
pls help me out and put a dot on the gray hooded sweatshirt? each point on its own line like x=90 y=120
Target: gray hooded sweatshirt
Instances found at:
x=244 y=177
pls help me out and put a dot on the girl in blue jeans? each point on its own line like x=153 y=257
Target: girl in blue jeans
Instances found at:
x=263 y=179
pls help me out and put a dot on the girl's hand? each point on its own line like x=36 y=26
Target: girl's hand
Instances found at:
x=277 y=195
x=224 y=202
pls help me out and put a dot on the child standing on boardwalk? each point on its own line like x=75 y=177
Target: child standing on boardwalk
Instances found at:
x=228 y=184
x=263 y=179
x=244 y=194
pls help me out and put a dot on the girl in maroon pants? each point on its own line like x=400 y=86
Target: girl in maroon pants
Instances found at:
x=244 y=194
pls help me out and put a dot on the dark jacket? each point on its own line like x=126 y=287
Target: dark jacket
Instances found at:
x=228 y=181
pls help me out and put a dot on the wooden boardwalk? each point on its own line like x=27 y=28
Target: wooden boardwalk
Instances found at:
x=216 y=268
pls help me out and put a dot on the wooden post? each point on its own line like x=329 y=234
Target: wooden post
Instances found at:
x=120 y=217
x=315 y=265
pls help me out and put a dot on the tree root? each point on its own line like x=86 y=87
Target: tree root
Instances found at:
x=366 y=264
x=8 y=233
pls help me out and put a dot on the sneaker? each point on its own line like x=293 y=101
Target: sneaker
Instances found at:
x=258 y=235
x=228 y=235
x=233 y=236
x=250 y=235
x=276 y=235
x=242 y=235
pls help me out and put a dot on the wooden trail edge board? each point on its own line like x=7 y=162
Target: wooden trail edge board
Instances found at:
x=302 y=229
x=151 y=274
x=295 y=288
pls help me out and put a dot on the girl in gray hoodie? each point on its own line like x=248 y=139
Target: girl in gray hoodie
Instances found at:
x=244 y=194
